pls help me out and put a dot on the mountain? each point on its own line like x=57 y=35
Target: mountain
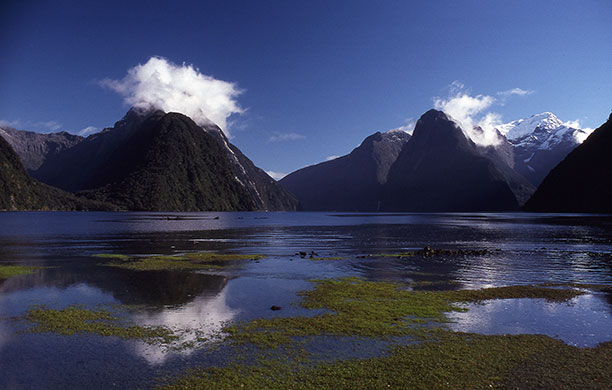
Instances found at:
x=440 y=169
x=18 y=191
x=540 y=142
x=353 y=182
x=265 y=192
x=34 y=148
x=581 y=182
x=151 y=160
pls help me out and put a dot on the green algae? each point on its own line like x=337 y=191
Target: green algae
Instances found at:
x=326 y=258
x=355 y=307
x=183 y=262
x=439 y=359
x=160 y=263
x=111 y=256
x=78 y=319
x=455 y=360
x=9 y=271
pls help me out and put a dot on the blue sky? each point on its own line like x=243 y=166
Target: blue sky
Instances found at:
x=315 y=77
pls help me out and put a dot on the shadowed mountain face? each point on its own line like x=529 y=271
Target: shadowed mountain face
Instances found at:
x=34 y=148
x=163 y=162
x=265 y=192
x=440 y=169
x=581 y=182
x=353 y=182
x=18 y=191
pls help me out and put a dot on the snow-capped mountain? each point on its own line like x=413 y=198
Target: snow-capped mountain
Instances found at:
x=540 y=142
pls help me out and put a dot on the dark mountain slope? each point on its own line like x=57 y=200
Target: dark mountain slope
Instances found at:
x=171 y=164
x=18 y=191
x=82 y=166
x=349 y=183
x=582 y=182
x=265 y=192
x=157 y=161
x=34 y=148
x=440 y=169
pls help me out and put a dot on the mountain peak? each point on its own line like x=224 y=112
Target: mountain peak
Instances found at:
x=437 y=128
x=520 y=128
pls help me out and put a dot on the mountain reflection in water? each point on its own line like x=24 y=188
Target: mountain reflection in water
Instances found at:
x=520 y=248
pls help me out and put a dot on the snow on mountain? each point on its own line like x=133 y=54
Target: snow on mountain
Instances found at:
x=544 y=129
x=540 y=142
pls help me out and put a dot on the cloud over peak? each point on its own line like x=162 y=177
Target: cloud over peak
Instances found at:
x=280 y=137
x=161 y=84
x=475 y=111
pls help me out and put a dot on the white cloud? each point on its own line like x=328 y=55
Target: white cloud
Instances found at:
x=516 y=92
x=286 y=137
x=87 y=131
x=49 y=125
x=166 y=86
x=329 y=158
x=276 y=175
x=579 y=135
x=475 y=111
x=29 y=125
x=468 y=112
x=4 y=123
x=407 y=127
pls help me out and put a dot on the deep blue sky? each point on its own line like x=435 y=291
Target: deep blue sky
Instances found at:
x=330 y=71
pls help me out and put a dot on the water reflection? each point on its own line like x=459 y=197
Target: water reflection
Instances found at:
x=199 y=319
x=152 y=288
x=585 y=321
x=523 y=249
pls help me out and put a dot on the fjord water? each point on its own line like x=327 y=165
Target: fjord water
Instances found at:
x=522 y=249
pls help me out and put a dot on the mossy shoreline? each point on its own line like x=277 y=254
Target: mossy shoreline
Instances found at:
x=9 y=270
x=356 y=307
x=182 y=262
x=440 y=358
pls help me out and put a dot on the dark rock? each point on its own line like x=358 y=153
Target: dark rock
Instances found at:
x=18 y=191
x=33 y=148
x=275 y=308
x=353 y=182
x=581 y=182
x=155 y=161
x=440 y=169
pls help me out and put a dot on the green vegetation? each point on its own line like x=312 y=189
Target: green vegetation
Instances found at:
x=326 y=258
x=440 y=359
x=169 y=164
x=111 y=256
x=355 y=307
x=457 y=361
x=76 y=319
x=185 y=262
x=8 y=271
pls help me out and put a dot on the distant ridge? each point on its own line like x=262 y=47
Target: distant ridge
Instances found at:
x=349 y=183
x=34 y=148
x=19 y=192
x=582 y=182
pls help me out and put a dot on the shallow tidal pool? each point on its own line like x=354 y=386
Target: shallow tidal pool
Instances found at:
x=146 y=300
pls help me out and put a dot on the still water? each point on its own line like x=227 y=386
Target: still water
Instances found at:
x=522 y=249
